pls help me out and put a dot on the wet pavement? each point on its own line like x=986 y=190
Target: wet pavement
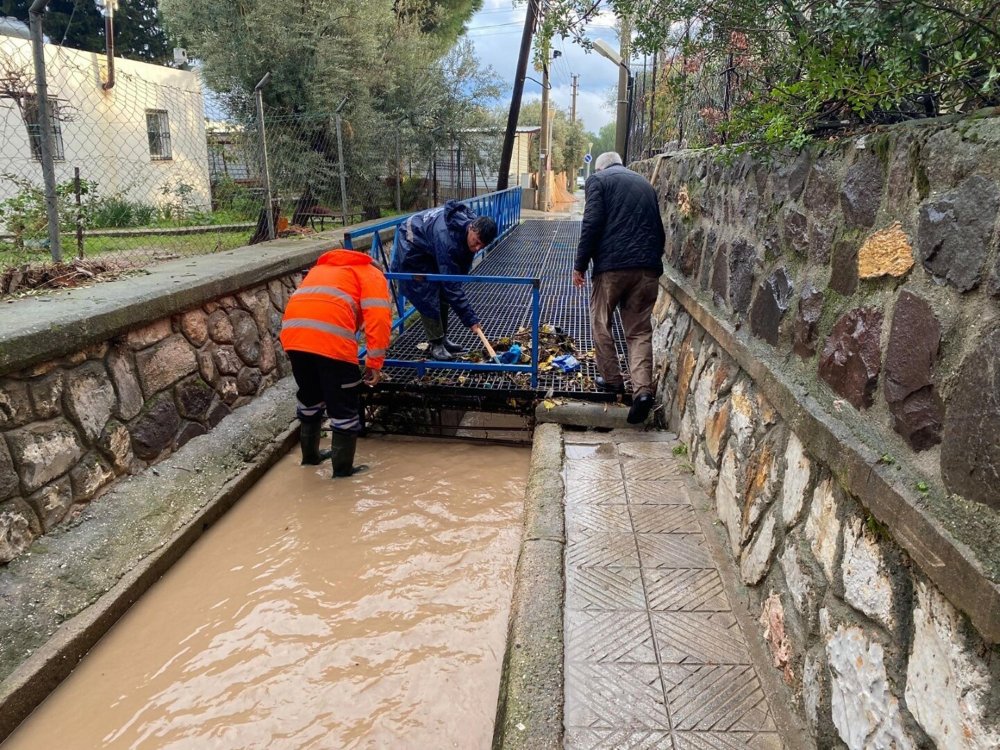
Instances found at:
x=654 y=654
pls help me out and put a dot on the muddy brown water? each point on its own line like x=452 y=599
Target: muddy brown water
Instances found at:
x=369 y=612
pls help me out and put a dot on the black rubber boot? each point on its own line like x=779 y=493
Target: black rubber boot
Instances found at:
x=641 y=406
x=607 y=387
x=344 y=447
x=450 y=345
x=309 y=437
x=439 y=351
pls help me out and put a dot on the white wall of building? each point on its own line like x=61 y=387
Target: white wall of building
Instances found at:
x=104 y=132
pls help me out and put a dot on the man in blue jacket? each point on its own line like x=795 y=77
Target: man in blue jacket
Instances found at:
x=442 y=240
x=622 y=235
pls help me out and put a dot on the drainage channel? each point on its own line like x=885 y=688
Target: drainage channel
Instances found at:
x=365 y=612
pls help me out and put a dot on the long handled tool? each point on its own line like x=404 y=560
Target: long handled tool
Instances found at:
x=486 y=343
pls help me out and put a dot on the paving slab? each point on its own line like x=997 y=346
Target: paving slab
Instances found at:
x=655 y=653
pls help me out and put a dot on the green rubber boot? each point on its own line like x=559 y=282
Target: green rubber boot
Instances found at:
x=309 y=437
x=344 y=447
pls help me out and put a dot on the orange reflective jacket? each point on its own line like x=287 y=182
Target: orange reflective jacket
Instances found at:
x=342 y=295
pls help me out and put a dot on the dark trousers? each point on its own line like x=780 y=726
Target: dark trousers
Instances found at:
x=327 y=385
x=633 y=292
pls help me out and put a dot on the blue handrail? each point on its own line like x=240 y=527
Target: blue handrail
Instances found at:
x=421 y=366
x=504 y=207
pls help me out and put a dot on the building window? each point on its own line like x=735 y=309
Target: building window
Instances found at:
x=33 y=122
x=158 y=130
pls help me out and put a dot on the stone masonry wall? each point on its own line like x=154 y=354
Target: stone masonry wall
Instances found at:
x=867 y=275
x=871 y=267
x=71 y=426
x=875 y=654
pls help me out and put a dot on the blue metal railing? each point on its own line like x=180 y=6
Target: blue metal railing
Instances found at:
x=504 y=207
x=421 y=366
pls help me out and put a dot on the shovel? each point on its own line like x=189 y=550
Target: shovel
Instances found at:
x=486 y=343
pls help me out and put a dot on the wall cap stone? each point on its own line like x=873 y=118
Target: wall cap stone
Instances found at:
x=949 y=562
x=40 y=329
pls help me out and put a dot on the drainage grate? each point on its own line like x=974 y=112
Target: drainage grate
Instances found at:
x=545 y=249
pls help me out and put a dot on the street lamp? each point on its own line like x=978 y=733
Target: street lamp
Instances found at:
x=604 y=50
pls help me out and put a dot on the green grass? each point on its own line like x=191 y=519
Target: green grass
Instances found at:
x=132 y=249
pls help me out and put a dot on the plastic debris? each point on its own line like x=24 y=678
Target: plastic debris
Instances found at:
x=566 y=363
x=511 y=356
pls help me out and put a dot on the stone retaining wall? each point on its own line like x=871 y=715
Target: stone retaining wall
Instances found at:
x=70 y=426
x=871 y=266
x=828 y=349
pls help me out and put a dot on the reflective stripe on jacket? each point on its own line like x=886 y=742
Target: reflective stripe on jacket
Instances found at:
x=342 y=295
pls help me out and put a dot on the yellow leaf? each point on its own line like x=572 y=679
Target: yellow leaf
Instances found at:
x=549 y=403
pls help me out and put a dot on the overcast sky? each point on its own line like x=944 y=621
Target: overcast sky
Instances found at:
x=496 y=33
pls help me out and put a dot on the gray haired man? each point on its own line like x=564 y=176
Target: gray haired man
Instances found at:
x=622 y=235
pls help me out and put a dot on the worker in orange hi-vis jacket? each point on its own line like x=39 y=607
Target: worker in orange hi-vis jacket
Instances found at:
x=344 y=293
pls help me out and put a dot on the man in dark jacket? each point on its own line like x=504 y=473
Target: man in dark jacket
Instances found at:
x=622 y=235
x=442 y=240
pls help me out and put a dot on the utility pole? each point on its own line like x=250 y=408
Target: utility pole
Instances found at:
x=576 y=88
x=545 y=146
x=515 y=100
x=624 y=47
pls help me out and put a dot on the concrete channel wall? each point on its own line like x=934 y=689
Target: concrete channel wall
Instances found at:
x=827 y=347
x=102 y=382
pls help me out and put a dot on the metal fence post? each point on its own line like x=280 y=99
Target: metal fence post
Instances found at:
x=45 y=126
x=268 y=204
x=399 y=175
x=343 y=176
x=77 y=191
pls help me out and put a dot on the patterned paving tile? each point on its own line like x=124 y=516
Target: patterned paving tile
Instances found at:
x=658 y=493
x=663 y=450
x=699 y=637
x=664 y=519
x=609 y=637
x=685 y=590
x=597 y=518
x=580 y=738
x=673 y=551
x=602 y=549
x=716 y=698
x=576 y=451
x=604 y=589
x=727 y=741
x=654 y=469
x=587 y=492
x=614 y=696
x=592 y=469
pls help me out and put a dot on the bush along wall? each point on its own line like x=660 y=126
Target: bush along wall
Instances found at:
x=70 y=426
x=828 y=347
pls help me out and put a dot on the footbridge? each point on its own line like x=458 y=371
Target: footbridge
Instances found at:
x=521 y=288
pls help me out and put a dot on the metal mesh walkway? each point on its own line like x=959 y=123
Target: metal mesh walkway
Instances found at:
x=545 y=249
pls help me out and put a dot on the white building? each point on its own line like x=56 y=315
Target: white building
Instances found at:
x=141 y=141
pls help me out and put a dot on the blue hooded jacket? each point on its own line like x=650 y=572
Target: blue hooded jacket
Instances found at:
x=434 y=241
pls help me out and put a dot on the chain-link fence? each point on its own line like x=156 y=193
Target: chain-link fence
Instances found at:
x=141 y=176
x=680 y=101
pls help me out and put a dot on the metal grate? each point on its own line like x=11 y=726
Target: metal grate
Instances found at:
x=535 y=248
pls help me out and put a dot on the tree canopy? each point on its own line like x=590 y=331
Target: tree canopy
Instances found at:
x=78 y=24
x=568 y=139
x=781 y=71
x=384 y=66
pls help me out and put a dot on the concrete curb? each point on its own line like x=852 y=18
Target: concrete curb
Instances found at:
x=31 y=682
x=529 y=711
